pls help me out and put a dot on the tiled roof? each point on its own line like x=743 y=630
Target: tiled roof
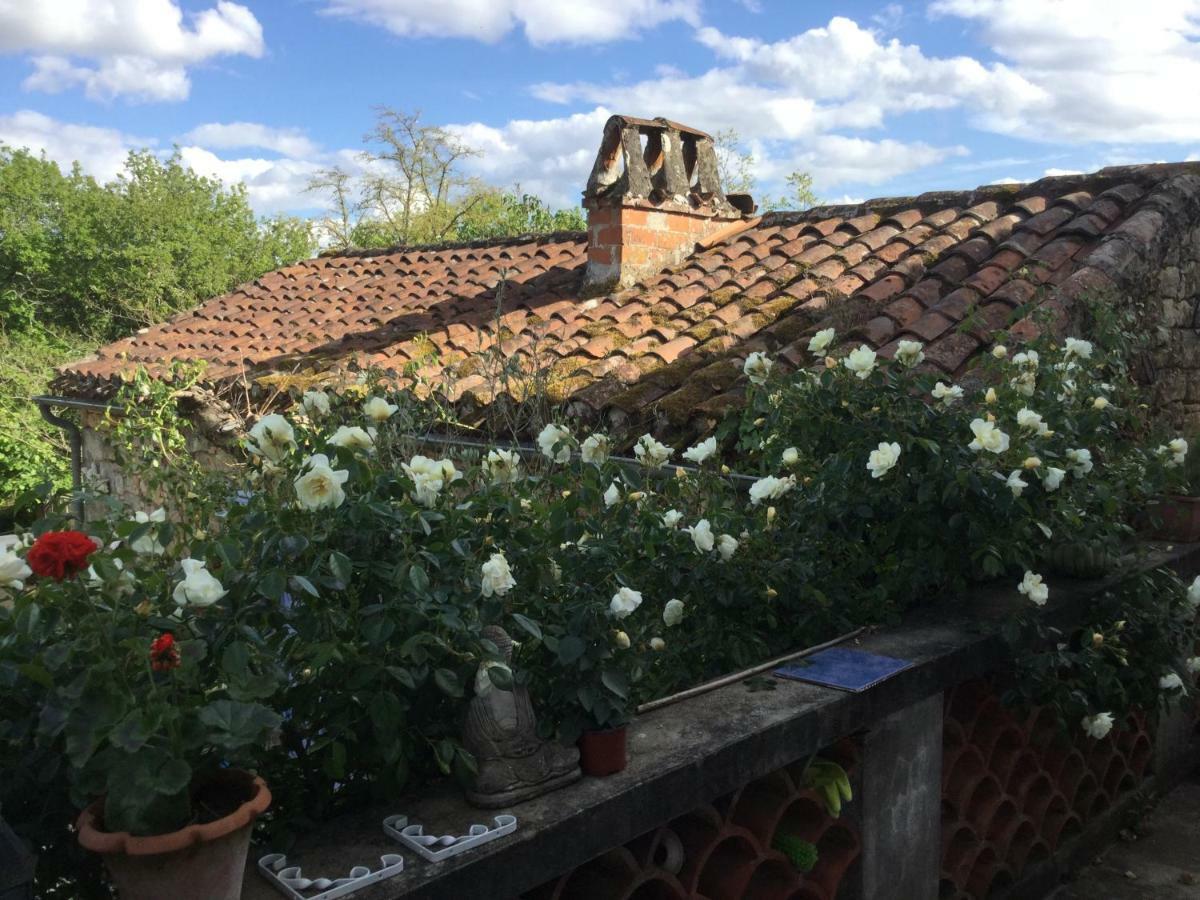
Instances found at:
x=948 y=269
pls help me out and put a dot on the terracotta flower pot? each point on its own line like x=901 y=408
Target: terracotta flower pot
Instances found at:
x=603 y=752
x=198 y=862
x=1175 y=518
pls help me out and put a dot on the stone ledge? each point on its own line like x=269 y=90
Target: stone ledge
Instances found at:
x=685 y=755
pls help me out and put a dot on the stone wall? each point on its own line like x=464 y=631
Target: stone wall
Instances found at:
x=102 y=470
x=1174 y=306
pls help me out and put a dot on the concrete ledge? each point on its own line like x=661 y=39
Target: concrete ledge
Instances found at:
x=688 y=754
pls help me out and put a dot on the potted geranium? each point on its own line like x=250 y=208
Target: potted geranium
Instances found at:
x=149 y=692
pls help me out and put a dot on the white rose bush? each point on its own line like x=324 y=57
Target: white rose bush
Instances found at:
x=334 y=592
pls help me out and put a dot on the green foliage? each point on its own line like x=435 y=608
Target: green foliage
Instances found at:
x=830 y=781
x=736 y=168
x=82 y=263
x=103 y=260
x=801 y=853
x=416 y=193
x=31 y=450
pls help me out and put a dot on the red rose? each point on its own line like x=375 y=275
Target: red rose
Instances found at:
x=164 y=655
x=60 y=554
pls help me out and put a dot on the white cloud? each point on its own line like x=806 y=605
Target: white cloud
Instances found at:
x=272 y=185
x=100 y=151
x=542 y=21
x=1104 y=70
x=1050 y=173
x=225 y=135
x=138 y=49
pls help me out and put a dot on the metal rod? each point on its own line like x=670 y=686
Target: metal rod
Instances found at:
x=745 y=673
x=75 y=439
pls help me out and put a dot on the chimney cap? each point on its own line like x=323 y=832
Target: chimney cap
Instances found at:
x=655 y=124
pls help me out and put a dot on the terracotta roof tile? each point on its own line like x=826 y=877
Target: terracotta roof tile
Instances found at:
x=992 y=255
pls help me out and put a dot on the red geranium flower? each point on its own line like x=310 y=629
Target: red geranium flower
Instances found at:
x=60 y=554
x=164 y=654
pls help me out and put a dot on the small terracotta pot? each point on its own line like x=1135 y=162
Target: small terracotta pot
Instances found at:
x=1178 y=519
x=198 y=862
x=603 y=752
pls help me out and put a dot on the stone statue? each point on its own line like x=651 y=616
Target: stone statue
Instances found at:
x=501 y=732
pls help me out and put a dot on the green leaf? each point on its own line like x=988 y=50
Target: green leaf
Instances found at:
x=131 y=735
x=529 y=625
x=305 y=585
x=501 y=677
x=570 y=648
x=616 y=681
x=272 y=585
x=341 y=568
x=35 y=672
x=419 y=579
x=403 y=676
x=234 y=725
x=448 y=682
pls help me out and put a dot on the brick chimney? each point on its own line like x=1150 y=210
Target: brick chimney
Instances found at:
x=654 y=192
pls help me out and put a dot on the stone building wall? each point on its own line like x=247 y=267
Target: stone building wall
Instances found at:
x=1174 y=307
x=103 y=471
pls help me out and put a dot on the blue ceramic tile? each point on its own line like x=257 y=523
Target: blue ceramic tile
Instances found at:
x=840 y=667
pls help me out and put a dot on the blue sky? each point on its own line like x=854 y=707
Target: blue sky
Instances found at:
x=874 y=99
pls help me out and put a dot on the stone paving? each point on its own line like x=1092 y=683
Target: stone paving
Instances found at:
x=1163 y=863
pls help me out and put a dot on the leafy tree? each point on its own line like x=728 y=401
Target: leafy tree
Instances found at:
x=82 y=263
x=736 y=167
x=413 y=191
x=103 y=260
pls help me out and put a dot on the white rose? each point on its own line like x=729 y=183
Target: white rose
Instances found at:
x=1080 y=460
x=946 y=393
x=199 y=588
x=353 y=438
x=1097 y=726
x=624 y=601
x=883 y=459
x=701 y=451
x=320 y=486
x=727 y=545
x=596 y=449
x=910 y=353
x=821 y=340
x=1015 y=483
x=429 y=476
x=1193 y=594
x=555 y=436
x=124 y=582
x=702 y=535
x=791 y=456
x=757 y=367
x=987 y=437
x=496 y=577
x=1177 y=449
x=613 y=495
x=770 y=488
x=657 y=644
x=316 y=403
x=672 y=517
x=1028 y=360
x=1053 y=478
x=148 y=544
x=1100 y=403
x=1033 y=588
x=13 y=570
x=273 y=436
x=1025 y=384
x=1031 y=421
x=1193 y=664
x=379 y=410
x=990 y=396
x=1068 y=390
x=1170 y=682
x=673 y=613
x=502 y=466
x=861 y=361
x=650 y=453
x=621 y=639
x=1078 y=348
x=999 y=351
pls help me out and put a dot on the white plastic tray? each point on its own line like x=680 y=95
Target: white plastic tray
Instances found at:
x=292 y=883
x=435 y=849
